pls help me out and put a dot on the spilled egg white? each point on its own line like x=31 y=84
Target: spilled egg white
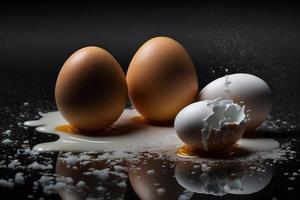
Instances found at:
x=247 y=89
x=212 y=125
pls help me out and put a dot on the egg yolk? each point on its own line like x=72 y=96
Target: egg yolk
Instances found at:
x=186 y=151
x=67 y=128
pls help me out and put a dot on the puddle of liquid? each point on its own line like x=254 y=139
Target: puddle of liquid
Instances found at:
x=244 y=147
x=128 y=134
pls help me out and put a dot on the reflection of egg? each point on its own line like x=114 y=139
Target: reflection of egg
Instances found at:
x=223 y=178
x=152 y=178
x=94 y=173
x=161 y=79
x=91 y=89
x=205 y=178
x=249 y=89
x=210 y=125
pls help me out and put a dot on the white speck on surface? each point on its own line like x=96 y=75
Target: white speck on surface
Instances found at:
x=186 y=195
x=71 y=159
x=122 y=184
x=150 y=172
x=52 y=185
x=205 y=167
x=81 y=184
x=6 y=184
x=101 y=189
x=19 y=178
x=7 y=141
x=6 y=132
x=160 y=191
x=14 y=163
x=156 y=184
x=102 y=174
x=290 y=188
x=119 y=168
x=36 y=165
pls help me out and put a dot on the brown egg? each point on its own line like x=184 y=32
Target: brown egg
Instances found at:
x=91 y=90
x=161 y=79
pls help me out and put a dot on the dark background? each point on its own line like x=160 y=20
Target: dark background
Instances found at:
x=35 y=39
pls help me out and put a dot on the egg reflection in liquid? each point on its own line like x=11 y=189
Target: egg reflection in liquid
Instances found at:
x=152 y=178
x=224 y=177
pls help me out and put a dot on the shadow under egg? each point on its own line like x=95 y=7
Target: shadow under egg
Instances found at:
x=234 y=152
x=113 y=130
x=254 y=134
x=146 y=122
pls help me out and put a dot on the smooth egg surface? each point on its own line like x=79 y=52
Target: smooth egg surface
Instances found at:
x=91 y=89
x=161 y=79
x=245 y=89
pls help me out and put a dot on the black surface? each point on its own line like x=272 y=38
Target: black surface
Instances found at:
x=257 y=38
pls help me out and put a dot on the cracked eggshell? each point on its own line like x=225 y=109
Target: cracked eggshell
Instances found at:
x=91 y=89
x=161 y=79
x=191 y=121
x=249 y=89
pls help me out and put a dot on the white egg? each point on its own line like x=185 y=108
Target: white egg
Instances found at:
x=247 y=89
x=212 y=125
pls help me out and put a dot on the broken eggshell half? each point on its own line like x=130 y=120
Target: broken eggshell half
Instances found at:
x=211 y=125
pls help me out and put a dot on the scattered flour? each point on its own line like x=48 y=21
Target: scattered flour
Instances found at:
x=19 y=178
x=7 y=141
x=160 y=191
x=36 y=165
x=150 y=172
x=7 y=184
x=14 y=164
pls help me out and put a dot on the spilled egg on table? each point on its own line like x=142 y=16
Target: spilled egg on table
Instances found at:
x=91 y=93
x=228 y=106
x=91 y=89
x=161 y=79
